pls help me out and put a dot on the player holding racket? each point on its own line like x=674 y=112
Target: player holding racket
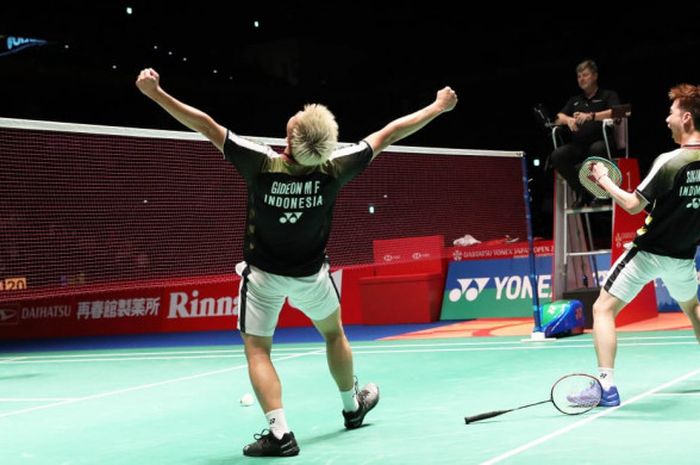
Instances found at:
x=290 y=205
x=665 y=245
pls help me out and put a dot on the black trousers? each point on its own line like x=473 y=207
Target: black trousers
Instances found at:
x=567 y=159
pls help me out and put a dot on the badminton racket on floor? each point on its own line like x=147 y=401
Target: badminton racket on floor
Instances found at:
x=572 y=394
x=588 y=180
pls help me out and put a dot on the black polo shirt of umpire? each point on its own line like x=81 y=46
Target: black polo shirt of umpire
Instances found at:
x=590 y=131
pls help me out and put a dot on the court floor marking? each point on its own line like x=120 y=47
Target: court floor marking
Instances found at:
x=35 y=399
x=358 y=350
x=529 y=347
x=140 y=387
x=587 y=420
x=281 y=347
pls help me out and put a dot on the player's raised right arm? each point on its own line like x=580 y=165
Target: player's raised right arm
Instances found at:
x=396 y=130
x=148 y=83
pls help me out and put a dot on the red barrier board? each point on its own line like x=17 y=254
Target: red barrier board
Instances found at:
x=202 y=304
x=624 y=230
x=407 y=255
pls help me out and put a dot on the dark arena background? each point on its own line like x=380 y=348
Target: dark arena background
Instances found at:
x=120 y=230
x=253 y=66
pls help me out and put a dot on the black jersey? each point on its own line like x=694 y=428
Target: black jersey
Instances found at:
x=672 y=188
x=290 y=207
x=590 y=131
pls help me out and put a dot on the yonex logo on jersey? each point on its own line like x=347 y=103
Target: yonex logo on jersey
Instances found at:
x=290 y=217
x=469 y=291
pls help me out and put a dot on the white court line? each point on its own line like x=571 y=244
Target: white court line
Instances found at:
x=364 y=350
x=277 y=348
x=678 y=394
x=607 y=411
x=124 y=359
x=138 y=388
x=355 y=346
x=36 y=399
x=621 y=336
x=588 y=345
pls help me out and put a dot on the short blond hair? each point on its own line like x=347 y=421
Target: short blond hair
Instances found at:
x=314 y=135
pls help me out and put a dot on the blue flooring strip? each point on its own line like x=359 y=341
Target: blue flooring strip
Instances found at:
x=205 y=338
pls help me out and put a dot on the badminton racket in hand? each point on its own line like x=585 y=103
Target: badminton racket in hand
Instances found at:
x=589 y=180
x=572 y=394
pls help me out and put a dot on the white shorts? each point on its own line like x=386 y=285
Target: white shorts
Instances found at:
x=635 y=268
x=262 y=294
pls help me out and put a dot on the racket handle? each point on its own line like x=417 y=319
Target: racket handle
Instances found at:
x=484 y=416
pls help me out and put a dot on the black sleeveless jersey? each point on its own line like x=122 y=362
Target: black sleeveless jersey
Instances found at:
x=290 y=207
x=672 y=188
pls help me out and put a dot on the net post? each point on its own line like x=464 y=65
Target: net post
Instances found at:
x=537 y=334
x=531 y=248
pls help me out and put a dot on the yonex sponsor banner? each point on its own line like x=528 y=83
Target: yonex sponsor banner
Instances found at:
x=493 y=288
x=499 y=287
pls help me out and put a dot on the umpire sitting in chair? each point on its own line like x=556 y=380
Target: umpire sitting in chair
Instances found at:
x=583 y=117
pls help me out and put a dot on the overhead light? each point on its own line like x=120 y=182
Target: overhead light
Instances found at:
x=129 y=10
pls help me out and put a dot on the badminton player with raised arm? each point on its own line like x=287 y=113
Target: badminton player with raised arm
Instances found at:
x=665 y=245
x=290 y=205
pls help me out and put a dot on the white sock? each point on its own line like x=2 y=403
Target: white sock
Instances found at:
x=277 y=422
x=606 y=377
x=349 y=400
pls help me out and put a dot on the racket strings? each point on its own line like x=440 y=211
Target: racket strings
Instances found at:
x=589 y=181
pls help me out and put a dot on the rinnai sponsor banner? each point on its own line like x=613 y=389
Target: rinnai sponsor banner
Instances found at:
x=165 y=307
x=499 y=249
x=499 y=288
x=198 y=304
